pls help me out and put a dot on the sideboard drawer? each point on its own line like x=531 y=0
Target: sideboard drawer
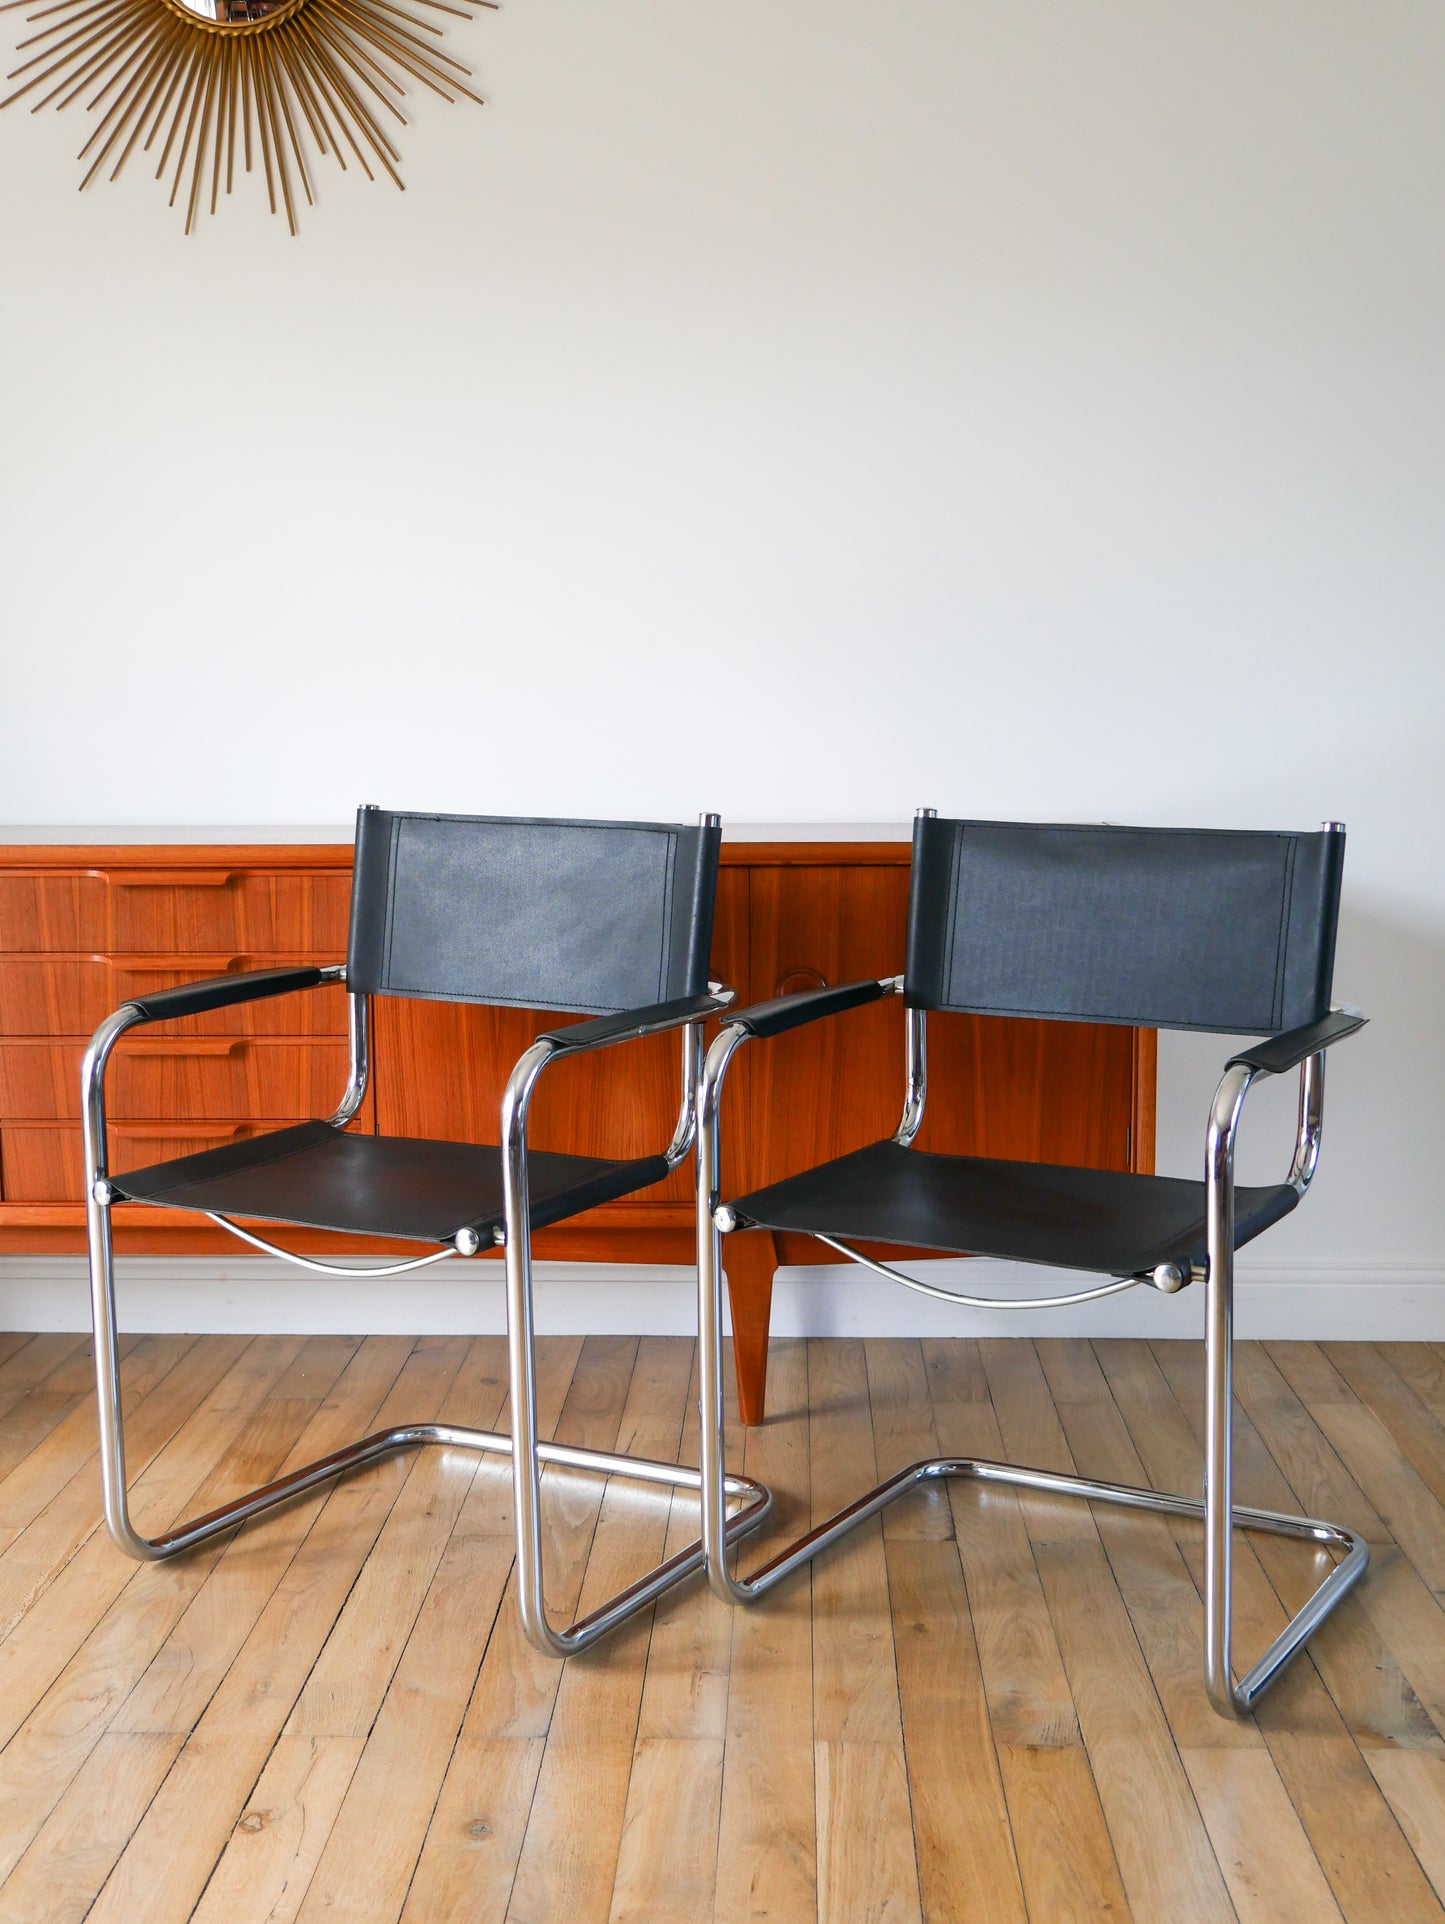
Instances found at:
x=180 y=912
x=73 y=994
x=45 y=1163
x=53 y=911
x=155 y=1078
x=174 y=911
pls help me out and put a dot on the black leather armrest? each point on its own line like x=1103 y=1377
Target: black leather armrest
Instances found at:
x=219 y=991
x=792 y=1011
x=604 y=1029
x=1273 y=1054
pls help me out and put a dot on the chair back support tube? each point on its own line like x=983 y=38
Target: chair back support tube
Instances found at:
x=915 y=1076
x=1310 y=1129
x=686 y=1127
x=357 y=1028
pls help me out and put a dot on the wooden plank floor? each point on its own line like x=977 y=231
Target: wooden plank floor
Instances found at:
x=980 y=1708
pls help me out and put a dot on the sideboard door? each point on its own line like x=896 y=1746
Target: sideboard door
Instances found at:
x=835 y=1085
x=1034 y=1091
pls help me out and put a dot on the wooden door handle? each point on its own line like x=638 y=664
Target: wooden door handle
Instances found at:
x=798 y=981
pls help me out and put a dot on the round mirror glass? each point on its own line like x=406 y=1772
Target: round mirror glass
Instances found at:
x=234 y=13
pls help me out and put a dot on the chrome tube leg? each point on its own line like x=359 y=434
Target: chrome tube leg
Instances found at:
x=709 y=1321
x=521 y=1358
x=710 y=1431
x=1219 y=1391
x=1219 y=1394
x=716 y=1533
x=109 y=1421
x=101 y=1247
x=1218 y=1486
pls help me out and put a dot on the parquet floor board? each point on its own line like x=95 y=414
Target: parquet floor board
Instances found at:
x=985 y=1709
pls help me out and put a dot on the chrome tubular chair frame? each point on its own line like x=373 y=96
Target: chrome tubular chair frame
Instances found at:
x=527 y=1451
x=1216 y=1509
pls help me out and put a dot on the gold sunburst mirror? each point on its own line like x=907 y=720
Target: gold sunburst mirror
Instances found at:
x=203 y=82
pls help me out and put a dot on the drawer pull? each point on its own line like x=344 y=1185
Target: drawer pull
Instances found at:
x=171 y=965
x=169 y=878
x=188 y=1046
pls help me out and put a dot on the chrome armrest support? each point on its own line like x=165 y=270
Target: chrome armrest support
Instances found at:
x=1223 y=1130
x=1228 y=1106
x=129 y=1014
x=92 y=1096
x=605 y=1032
x=731 y=1037
x=1305 y=1046
x=558 y=1043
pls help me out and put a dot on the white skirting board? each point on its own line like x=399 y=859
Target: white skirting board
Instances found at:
x=260 y=1294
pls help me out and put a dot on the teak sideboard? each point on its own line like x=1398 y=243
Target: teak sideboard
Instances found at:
x=82 y=928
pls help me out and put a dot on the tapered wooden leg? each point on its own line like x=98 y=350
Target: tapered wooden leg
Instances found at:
x=749 y=1259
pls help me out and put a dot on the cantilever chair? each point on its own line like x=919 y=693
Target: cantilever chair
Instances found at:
x=1167 y=928
x=611 y=919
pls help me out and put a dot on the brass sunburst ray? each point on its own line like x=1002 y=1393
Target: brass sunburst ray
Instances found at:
x=184 y=72
x=129 y=104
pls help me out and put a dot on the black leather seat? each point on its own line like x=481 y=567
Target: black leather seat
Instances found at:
x=1095 y=1219
x=322 y=1177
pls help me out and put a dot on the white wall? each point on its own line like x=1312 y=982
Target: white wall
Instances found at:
x=806 y=411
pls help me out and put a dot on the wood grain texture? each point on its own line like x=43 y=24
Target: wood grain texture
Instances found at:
x=174 y=899
x=191 y=1078
x=767 y=1845
x=1307 y=1726
x=990 y=1710
x=68 y=995
x=751 y=1260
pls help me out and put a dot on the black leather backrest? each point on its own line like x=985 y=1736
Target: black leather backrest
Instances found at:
x=1166 y=928
x=588 y=916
